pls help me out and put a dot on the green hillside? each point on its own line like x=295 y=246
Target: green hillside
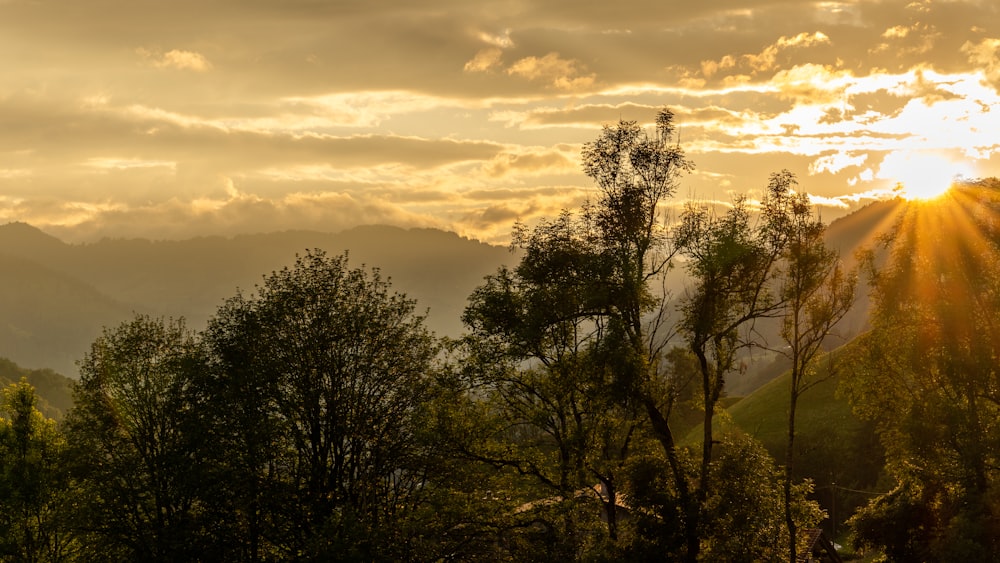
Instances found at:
x=835 y=449
x=54 y=391
x=839 y=452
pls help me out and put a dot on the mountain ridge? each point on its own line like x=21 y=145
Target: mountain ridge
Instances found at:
x=190 y=278
x=105 y=282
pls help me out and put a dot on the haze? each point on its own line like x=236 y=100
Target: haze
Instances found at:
x=169 y=120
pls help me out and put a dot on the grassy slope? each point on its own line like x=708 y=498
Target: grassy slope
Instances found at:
x=835 y=449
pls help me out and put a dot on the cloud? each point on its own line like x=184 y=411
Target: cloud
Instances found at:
x=710 y=68
x=530 y=162
x=448 y=110
x=897 y=31
x=177 y=59
x=834 y=202
x=767 y=59
x=836 y=162
x=368 y=108
x=106 y=164
x=502 y=41
x=239 y=213
x=917 y=39
x=922 y=167
x=985 y=54
x=552 y=69
x=486 y=59
x=581 y=116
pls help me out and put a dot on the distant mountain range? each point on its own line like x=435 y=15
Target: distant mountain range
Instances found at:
x=56 y=297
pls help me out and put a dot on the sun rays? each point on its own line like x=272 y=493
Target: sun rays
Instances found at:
x=923 y=175
x=945 y=256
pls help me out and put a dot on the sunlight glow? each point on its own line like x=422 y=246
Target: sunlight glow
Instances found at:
x=922 y=176
x=923 y=189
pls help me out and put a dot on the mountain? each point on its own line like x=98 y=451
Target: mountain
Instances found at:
x=55 y=297
x=47 y=317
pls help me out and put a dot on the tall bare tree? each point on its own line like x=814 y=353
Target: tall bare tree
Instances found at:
x=817 y=292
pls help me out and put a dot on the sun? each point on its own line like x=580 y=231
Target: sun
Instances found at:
x=923 y=175
x=924 y=190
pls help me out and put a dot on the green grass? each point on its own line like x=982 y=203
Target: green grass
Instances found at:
x=834 y=448
x=821 y=418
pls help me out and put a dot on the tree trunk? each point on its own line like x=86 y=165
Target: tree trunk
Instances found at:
x=691 y=512
x=789 y=466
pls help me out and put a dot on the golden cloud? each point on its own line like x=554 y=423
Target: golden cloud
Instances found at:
x=485 y=59
x=561 y=73
x=177 y=59
x=767 y=59
x=530 y=163
x=836 y=162
x=986 y=55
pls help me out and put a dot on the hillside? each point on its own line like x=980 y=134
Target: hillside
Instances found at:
x=54 y=391
x=47 y=318
x=833 y=445
x=57 y=296
x=839 y=452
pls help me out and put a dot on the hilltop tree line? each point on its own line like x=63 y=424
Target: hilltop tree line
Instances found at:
x=317 y=418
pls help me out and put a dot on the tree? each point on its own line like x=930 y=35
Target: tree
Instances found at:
x=817 y=294
x=128 y=445
x=733 y=262
x=591 y=280
x=325 y=372
x=536 y=348
x=927 y=377
x=572 y=317
x=744 y=515
x=34 y=491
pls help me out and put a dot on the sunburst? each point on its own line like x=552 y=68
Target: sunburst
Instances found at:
x=923 y=175
x=923 y=190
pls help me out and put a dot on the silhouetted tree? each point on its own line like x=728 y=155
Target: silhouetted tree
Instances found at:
x=586 y=288
x=537 y=347
x=733 y=260
x=927 y=377
x=129 y=450
x=817 y=294
x=325 y=372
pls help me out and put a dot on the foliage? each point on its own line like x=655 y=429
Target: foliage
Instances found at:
x=582 y=302
x=930 y=361
x=563 y=341
x=744 y=518
x=317 y=418
x=534 y=355
x=323 y=375
x=817 y=294
x=54 y=392
x=835 y=449
x=734 y=264
x=128 y=445
x=33 y=490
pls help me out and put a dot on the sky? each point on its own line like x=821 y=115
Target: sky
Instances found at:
x=168 y=120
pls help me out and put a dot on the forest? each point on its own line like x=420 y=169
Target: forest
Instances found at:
x=582 y=416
